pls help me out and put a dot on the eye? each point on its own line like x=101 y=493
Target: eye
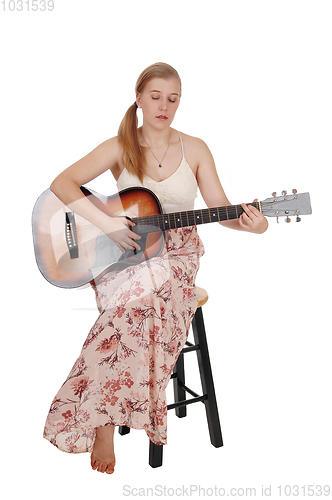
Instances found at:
x=155 y=98
x=170 y=100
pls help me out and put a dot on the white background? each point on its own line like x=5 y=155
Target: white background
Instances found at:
x=257 y=85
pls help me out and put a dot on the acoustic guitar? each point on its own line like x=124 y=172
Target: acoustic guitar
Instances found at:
x=72 y=253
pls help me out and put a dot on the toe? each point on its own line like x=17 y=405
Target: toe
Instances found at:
x=102 y=467
x=110 y=468
x=94 y=464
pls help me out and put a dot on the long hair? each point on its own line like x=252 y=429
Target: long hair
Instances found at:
x=133 y=153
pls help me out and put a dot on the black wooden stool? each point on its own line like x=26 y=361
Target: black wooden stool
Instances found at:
x=180 y=389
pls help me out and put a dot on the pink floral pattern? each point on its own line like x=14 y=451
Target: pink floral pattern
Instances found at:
x=128 y=356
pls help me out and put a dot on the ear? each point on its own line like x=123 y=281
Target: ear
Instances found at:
x=138 y=99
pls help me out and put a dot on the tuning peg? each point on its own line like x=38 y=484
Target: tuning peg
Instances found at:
x=284 y=192
x=294 y=191
x=298 y=219
x=278 y=220
x=287 y=219
x=274 y=194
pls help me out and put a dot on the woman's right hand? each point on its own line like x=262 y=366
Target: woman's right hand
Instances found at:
x=118 y=231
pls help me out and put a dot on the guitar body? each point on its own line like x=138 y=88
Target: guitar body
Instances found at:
x=71 y=252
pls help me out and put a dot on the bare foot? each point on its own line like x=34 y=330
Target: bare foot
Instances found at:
x=102 y=456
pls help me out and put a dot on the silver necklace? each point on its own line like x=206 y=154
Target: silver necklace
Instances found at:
x=159 y=162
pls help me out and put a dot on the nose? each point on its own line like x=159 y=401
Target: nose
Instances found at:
x=163 y=104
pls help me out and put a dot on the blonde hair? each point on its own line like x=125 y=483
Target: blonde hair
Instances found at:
x=133 y=153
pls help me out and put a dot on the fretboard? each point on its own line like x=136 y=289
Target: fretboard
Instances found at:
x=191 y=218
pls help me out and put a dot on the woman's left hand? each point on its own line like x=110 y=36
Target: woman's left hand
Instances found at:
x=252 y=220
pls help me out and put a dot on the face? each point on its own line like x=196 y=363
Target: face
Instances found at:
x=159 y=101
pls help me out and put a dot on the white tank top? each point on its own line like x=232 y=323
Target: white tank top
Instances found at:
x=177 y=193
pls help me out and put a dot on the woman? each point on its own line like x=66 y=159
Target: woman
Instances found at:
x=145 y=310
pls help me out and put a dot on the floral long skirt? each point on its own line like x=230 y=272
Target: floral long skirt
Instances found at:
x=127 y=360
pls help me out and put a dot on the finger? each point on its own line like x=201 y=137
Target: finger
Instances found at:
x=243 y=221
x=132 y=243
x=251 y=211
x=247 y=211
x=120 y=247
x=254 y=210
x=135 y=236
x=127 y=246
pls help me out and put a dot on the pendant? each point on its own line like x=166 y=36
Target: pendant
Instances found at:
x=159 y=165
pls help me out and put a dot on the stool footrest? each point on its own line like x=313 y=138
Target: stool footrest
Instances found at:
x=192 y=347
x=186 y=402
x=183 y=386
x=197 y=398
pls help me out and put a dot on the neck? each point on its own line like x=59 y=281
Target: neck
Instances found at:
x=155 y=138
x=162 y=222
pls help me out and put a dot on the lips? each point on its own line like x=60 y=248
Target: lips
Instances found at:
x=162 y=117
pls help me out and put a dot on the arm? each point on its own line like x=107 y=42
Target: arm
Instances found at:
x=66 y=186
x=214 y=195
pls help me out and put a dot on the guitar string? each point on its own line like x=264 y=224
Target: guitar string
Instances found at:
x=204 y=215
x=232 y=210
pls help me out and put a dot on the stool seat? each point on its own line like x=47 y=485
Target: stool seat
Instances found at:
x=202 y=296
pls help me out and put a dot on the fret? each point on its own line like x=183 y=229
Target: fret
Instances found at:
x=191 y=218
x=197 y=217
x=227 y=213
x=219 y=213
x=167 y=222
x=206 y=216
x=174 y=221
x=179 y=219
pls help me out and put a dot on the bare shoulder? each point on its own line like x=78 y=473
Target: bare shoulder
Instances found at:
x=193 y=143
x=107 y=156
x=112 y=147
x=201 y=161
x=195 y=150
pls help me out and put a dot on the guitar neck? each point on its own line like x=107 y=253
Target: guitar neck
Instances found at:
x=191 y=217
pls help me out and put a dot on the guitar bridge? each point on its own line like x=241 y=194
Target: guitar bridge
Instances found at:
x=70 y=235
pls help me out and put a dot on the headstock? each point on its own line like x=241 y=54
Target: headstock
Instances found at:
x=287 y=205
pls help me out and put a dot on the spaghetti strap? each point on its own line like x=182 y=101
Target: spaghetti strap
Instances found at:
x=181 y=144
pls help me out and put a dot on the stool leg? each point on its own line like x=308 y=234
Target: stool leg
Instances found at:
x=179 y=392
x=123 y=429
x=155 y=455
x=206 y=379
